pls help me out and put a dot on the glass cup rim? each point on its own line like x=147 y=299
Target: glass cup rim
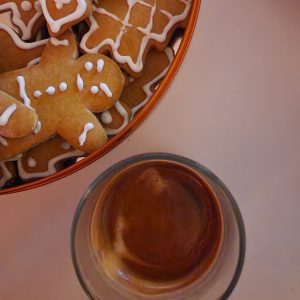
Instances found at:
x=165 y=157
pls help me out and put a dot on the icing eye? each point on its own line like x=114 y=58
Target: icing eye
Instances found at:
x=88 y=66
x=100 y=65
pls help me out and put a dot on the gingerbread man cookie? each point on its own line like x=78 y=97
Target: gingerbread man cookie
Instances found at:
x=65 y=91
x=16 y=119
x=63 y=14
x=129 y=28
x=46 y=158
x=25 y=14
x=20 y=53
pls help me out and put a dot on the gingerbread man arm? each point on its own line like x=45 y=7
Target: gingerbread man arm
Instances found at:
x=20 y=53
x=82 y=131
x=16 y=119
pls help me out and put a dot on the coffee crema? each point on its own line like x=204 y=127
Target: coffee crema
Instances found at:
x=156 y=227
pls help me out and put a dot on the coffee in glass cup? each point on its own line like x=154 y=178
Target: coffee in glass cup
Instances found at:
x=158 y=226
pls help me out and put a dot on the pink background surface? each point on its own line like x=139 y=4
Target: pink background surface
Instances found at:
x=234 y=107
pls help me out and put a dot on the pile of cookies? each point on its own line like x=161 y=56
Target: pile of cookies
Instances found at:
x=75 y=72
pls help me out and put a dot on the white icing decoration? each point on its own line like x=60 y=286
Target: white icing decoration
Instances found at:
x=88 y=66
x=143 y=2
x=51 y=165
x=4 y=117
x=18 y=42
x=166 y=13
x=37 y=94
x=22 y=88
x=50 y=90
x=100 y=65
x=103 y=86
x=31 y=162
x=137 y=65
x=122 y=111
x=56 y=42
x=94 y=89
x=79 y=82
x=65 y=145
x=55 y=25
x=26 y=5
x=37 y=6
x=82 y=138
x=106 y=117
x=3 y=141
x=38 y=127
x=63 y=86
x=60 y=3
x=26 y=29
x=147 y=86
x=33 y=62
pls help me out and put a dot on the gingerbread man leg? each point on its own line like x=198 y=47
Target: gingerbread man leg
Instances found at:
x=84 y=132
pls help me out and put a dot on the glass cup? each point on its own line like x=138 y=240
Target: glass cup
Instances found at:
x=219 y=280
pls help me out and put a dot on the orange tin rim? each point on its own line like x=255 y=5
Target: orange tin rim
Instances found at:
x=134 y=124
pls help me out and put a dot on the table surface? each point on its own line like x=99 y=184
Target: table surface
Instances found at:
x=234 y=107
